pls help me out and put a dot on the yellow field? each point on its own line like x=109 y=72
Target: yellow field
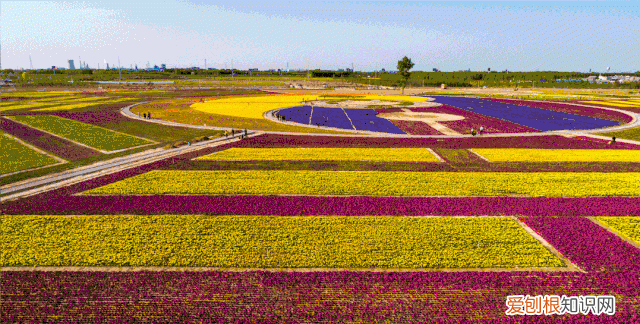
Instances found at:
x=324 y=154
x=270 y=242
x=558 y=155
x=256 y=106
x=388 y=183
x=611 y=103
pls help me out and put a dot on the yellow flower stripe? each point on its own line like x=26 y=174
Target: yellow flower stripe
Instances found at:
x=627 y=227
x=609 y=103
x=559 y=155
x=256 y=106
x=270 y=242
x=392 y=183
x=80 y=105
x=324 y=154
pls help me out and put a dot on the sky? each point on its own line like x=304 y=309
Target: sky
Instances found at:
x=449 y=36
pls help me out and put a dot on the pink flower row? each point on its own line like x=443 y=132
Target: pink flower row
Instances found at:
x=295 y=297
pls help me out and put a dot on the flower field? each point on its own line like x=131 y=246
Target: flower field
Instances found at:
x=536 y=118
x=93 y=136
x=628 y=227
x=587 y=244
x=613 y=103
x=572 y=109
x=542 y=142
x=14 y=156
x=78 y=105
x=324 y=154
x=558 y=155
x=309 y=297
x=256 y=106
x=319 y=183
x=326 y=229
x=270 y=242
x=47 y=142
x=475 y=121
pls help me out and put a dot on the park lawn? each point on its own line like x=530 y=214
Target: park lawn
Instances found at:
x=90 y=135
x=388 y=183
x=270 y=242
x=14 y=156
x=324 y=154
x=558 y=155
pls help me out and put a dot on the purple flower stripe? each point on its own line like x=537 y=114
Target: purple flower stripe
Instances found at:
x=60 y=147
x=296 y=297
x=572 y=109
x=546 y=141
x=475 y=121
x=589 y=245
x=50 y=203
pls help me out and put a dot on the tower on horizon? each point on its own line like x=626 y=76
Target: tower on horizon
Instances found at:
x=71 y=65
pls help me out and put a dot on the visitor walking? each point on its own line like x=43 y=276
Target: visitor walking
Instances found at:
x=481 y=129
x=148 y=115
x=144 y=115
x=473 y=132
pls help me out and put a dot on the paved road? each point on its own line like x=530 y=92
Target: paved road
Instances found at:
x=69 y=177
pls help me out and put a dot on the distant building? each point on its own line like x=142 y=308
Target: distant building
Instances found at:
x=383 y=70
x=253 y=70
x=72 y=66
x=163 y=66
x=107 y=66
x=435 y=70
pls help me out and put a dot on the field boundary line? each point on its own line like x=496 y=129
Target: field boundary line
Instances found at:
x=547 y=245
x=219 y=269
x=440 y=159
x=310 y=115
x=612 y=231
x=349 y=118
x=58 y=136
x=478 y=155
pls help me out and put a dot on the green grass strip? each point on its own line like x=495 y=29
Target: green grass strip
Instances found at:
x=324 y=154
x=558 y=155
x=94 y=136
x=628 y=227
x=392 y=183
x=270 y=242
x=14 y=156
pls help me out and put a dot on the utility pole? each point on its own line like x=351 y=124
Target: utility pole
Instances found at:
x=205 y=64
x=30 y=63
x=119 y=68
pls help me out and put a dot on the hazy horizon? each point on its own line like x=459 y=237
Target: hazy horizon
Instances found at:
x=450 y=36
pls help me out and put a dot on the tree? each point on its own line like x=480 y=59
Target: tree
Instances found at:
x=404 y=66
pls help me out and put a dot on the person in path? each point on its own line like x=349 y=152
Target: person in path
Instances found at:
x=144 y=115
x=473 y=132
x=148 y=115
x=481 y=130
